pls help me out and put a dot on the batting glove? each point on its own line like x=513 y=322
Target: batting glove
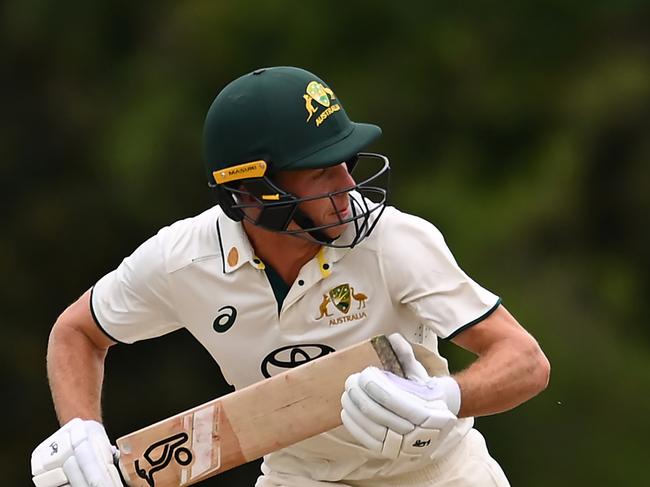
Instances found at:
x=400 y=417
x=79 y=454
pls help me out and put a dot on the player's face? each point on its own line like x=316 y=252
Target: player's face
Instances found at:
x=314 y=182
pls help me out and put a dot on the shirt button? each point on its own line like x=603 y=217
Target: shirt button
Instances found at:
x=301 y=282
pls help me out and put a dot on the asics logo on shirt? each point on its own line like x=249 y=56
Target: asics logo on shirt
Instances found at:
x=224 y=321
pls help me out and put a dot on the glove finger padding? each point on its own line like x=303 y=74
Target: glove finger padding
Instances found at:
x=107 y=453
x=406 y=399
x=374 y=437
x=48 y=459
x=393 y=416
x=79 y=454
x=359 y=433
x=94 y=453
x=51 y=478
x=376 y=431
x=373 y=410
x=73 y=473
x=51 y=453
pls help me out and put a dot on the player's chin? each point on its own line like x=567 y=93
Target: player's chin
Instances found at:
x=335 y=231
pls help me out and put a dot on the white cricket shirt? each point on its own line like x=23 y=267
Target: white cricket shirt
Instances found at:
x=201 y=274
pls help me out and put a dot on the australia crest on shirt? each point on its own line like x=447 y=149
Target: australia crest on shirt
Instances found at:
x=342 y=304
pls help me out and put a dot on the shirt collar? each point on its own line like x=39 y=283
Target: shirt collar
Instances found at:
x=236 y=249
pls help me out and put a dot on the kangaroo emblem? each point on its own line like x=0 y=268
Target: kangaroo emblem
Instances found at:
x=318 y=93
x=323 y=307
x=311 y=109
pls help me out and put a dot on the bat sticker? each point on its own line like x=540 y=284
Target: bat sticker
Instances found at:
x=171 y=448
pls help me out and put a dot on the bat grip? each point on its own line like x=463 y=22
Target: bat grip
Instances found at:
x=387 y=355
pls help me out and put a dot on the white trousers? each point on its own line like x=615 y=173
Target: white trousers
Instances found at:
x=467 y=465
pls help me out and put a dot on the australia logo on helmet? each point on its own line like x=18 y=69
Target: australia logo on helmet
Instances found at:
x=342 y=297
x=323 y=97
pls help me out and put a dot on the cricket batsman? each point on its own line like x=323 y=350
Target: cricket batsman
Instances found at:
x=302 y=256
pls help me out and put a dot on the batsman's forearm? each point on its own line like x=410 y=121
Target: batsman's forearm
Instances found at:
x=503 y=378
x=75 y=369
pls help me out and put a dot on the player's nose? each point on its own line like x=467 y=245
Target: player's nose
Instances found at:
x=343 y=177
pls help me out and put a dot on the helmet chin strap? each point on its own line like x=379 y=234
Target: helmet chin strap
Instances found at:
x=303 y=221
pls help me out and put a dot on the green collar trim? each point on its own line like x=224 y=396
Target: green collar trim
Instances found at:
x=280 y=288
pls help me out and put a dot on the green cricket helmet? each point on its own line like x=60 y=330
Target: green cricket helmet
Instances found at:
x=286 y=118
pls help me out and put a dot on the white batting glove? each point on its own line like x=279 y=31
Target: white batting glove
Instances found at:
x=79 y=454
x=399 y=417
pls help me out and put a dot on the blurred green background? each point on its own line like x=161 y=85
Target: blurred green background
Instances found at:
x=521 y=129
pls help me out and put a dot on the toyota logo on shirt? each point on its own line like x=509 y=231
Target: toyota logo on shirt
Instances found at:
x=292 y=356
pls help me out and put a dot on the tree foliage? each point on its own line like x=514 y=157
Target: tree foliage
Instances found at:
x=520 y=129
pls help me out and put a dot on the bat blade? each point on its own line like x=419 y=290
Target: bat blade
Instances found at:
x=249 y=423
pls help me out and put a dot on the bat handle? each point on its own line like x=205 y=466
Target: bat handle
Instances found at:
x=387 y=355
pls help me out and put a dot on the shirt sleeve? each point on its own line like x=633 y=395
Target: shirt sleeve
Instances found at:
x=133 y=302
x=421 y=273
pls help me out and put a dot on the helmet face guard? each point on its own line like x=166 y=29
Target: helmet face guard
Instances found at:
x=247 y=186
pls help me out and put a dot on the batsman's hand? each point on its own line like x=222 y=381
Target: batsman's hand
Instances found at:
x=79 y=454
x=400 y=417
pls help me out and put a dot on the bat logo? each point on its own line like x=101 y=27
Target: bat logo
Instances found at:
x=292 y=356
x=171 y=449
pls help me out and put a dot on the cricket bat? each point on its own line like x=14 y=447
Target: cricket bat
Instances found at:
x=249 y=423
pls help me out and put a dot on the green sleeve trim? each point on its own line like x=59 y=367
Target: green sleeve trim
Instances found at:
x=474 y=322
x=96 y=320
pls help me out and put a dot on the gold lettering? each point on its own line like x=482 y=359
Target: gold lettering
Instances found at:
x=323 y=116
x=347 y=318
